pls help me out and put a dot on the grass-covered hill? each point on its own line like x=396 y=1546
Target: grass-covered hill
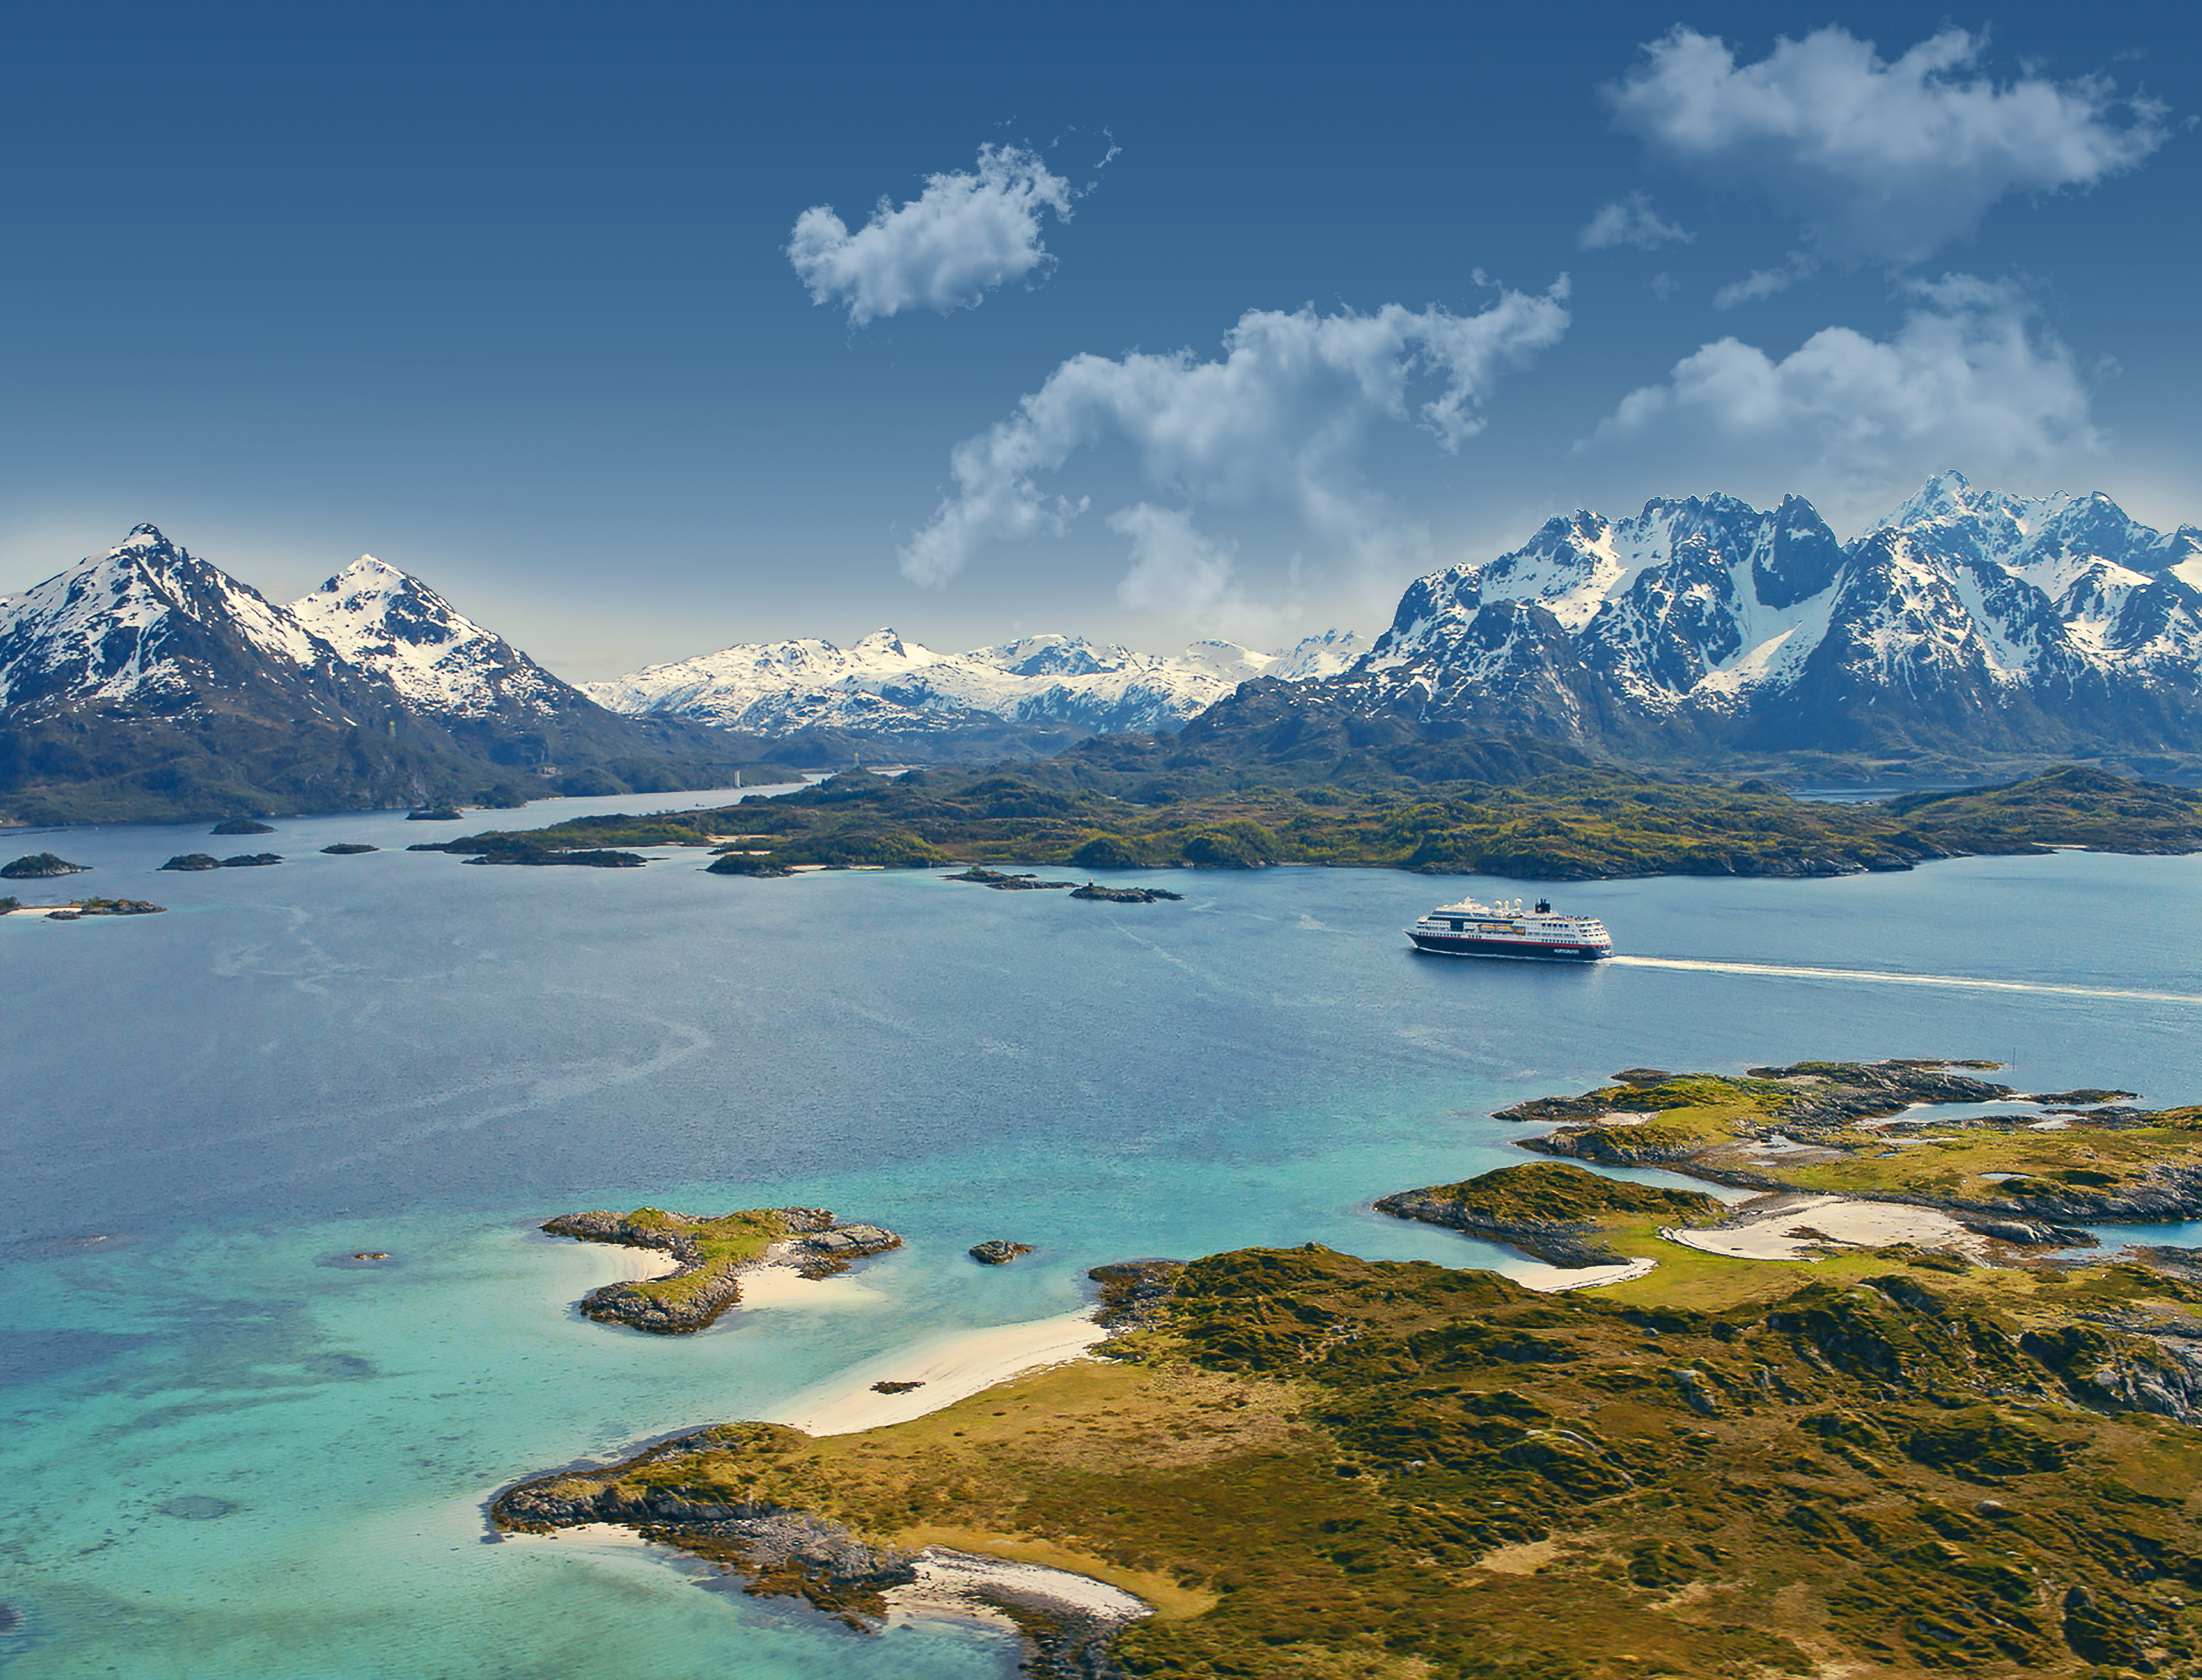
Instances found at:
x=1564 y=825
x=1334 y=1469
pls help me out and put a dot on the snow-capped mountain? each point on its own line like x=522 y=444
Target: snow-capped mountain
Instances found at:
x=148 y=625
x=1965 y=618
x=442 y=663
x=885 y=684
x=146 y=681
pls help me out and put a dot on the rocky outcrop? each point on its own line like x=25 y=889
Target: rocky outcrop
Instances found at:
x=1133 y=1293
x=708 y=1279
x=1008 y=883
x=1124 y=895
x=998 y=1252
x=783 y=1551
x=1556 y=1214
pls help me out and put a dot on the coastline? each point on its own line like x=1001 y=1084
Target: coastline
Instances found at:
x=948 y=1369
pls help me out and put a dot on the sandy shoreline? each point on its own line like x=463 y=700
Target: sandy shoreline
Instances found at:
x=1791 y=1227
x=1558 y=1280
x=950 y=1370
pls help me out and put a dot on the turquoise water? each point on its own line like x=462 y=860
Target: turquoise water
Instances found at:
x=399 y=1052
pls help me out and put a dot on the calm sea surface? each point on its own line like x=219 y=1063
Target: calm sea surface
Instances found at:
x=400 y=1051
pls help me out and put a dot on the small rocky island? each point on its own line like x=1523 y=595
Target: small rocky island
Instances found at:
x=349 y=849
x=40 y=866
x=714 y=1253
x=77 y=910
x=1000 y=882
x=998 y=1251
x=757 y=864
x=241 y=825
x=191 y=861
x=1093 y=891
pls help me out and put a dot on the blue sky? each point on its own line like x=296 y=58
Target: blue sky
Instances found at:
x=1240 y=317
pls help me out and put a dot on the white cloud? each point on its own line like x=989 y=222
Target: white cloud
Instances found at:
x=1278 y=420
x=1182 y=573
x=1971 y=377
x=1880 y=161
x=946 y=249
x=1762 y=283
x=1630 y=222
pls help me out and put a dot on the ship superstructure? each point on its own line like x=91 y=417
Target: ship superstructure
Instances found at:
x=1469 y=928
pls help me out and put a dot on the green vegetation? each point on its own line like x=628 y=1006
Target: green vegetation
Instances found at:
x=729 y=1240
x=241 y=825
x=1334 y=1469
x=1575 y=824
x=1556 y=1212
x=1870 y=1129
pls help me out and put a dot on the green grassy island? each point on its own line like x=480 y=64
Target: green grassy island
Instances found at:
x=1571 y=825
x=1960 y=1456
x=710 y=1253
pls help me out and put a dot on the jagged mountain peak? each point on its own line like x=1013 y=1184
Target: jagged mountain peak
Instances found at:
x=1968 y=615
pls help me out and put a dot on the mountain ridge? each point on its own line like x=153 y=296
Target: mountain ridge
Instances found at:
x=1965 y=622
x=887 y=685
x=146 y=682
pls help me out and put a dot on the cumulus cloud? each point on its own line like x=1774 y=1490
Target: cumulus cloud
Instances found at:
x=1278 y=420
x=1880 y=161
x=965 y=234
x=1630 y=222
x=1970 y=376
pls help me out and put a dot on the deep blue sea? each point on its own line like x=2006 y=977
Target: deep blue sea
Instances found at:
x=400 y=1051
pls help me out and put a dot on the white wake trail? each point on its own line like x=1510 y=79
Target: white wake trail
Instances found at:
x=1886 y=977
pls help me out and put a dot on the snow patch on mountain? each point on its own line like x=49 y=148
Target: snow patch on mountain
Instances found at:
x=144 y=622
x=440 y=660
x=884 y=683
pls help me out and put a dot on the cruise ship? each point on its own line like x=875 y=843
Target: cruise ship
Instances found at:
x=1472 y=929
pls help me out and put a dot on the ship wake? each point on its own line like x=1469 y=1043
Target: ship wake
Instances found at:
x=1891 y=977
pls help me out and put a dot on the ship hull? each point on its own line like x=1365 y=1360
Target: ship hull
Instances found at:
x=1469 y=945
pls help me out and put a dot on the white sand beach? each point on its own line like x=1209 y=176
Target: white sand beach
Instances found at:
x=639 y=1265
x=1790 y=1227
x=1558 y=1280
x=951 y=1370
x=968 y=1584
x=779 y=1286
